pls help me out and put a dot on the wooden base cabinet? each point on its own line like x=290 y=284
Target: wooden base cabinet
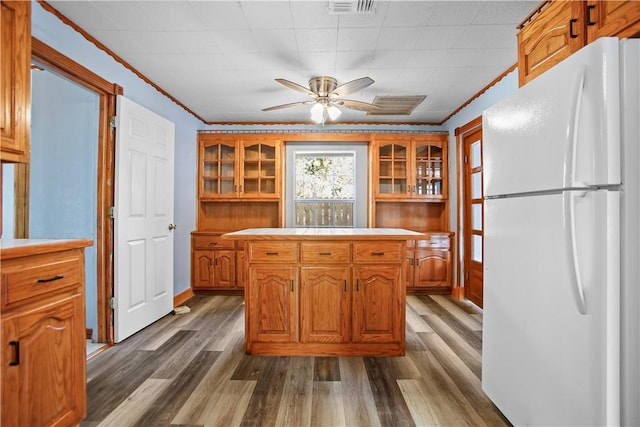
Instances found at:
x=213 y=263
x=429 y=265
x=43 y=334
x=314 y=297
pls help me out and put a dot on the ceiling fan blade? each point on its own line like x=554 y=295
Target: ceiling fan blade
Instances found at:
x=291 y=104
x=296 y=86
x=357 y=105
x=352 y=86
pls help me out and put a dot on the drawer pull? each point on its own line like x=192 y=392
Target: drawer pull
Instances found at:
x=213 y=243
x=325 y=253
x=272 y=253
x=51 y=279
x=571 y=33
x=16 y=352
x=590 y=22
x=377 y=253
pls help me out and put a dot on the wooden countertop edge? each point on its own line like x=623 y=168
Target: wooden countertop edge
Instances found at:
x=15 y=248
x=324 y=235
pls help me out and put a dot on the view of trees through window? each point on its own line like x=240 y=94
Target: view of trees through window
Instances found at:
x=324 y=189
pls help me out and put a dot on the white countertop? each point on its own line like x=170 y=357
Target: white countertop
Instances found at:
x=324 y=234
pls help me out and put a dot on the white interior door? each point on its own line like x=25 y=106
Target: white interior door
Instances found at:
x=143 y=216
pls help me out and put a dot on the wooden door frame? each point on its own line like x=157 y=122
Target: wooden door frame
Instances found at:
x=64 y=66
x=459 y=291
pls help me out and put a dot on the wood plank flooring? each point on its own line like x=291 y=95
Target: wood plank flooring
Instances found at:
x=191 y=370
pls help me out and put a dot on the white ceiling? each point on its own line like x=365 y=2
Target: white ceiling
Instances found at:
x=220 y=58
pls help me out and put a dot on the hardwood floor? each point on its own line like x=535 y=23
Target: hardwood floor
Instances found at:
x=191 y=370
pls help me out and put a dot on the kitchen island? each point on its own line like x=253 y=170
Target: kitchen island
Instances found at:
x=325 y=291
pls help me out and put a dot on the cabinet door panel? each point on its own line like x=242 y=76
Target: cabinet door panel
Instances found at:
x=45 y=384
x=378 y=311
x=273 y=309
x=325 y=305
x=552 y=36
x=203 y=269
x=432 y=268
x=613 y=18
x=225 y=269
x=15 y=80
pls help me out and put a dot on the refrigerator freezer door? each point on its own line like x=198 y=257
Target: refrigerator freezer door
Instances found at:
x=544 y=362
x=561 y=130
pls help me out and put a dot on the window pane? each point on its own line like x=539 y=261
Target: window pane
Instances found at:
x=476 y=185
x=476 y=248
x=322 y=182
x=476 y=159
x=476 y=216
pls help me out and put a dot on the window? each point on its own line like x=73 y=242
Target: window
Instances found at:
x=324 y=194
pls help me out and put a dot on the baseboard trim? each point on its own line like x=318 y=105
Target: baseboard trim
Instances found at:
x=183 y=297
x=458 y=293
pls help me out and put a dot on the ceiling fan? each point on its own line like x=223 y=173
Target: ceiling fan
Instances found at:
x=327 y=95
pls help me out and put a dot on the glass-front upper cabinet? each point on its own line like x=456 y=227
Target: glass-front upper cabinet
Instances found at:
x=429 y=169
x=411 y=167
x=230 y=168
x=218 y=169
x=260 y=167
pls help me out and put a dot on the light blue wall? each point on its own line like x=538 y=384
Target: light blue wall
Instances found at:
x=63 y=173
x=49 y=29
x=63 y=38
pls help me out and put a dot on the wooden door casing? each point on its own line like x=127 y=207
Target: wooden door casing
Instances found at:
x=325 y=315
x=473 y=269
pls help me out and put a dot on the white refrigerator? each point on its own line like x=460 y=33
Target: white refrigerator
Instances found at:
x=561 y=231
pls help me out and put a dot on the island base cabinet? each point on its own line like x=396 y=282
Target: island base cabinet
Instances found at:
x=325 y=304
x=42 y=373
x=273 y=305
x=324 y=298
x=378 y=305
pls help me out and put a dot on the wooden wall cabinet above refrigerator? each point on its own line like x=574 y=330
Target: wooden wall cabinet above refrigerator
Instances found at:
x=15 y=81
x=556 y=29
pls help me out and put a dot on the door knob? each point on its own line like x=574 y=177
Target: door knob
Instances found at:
x=172 y=226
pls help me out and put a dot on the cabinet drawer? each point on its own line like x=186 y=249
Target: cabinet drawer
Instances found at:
x=211 y=242
x=325 y=252
x=379 y=252
x=38 y=275
x=438 y=241
x=277 y=252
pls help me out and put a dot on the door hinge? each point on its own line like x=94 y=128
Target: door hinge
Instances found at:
x=113 y=121
x=111 y=212
x=466 y=160
x=112 y=303
x=466 y=276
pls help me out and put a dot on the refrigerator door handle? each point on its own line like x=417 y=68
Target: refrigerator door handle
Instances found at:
x=572 y=136
x=569 y=225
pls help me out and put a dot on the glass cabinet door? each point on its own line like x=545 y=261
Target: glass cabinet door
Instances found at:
x=393 y=178
x=429 y=172
x=259 y=169
x=218 y=170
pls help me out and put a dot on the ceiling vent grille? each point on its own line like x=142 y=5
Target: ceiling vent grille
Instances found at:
x=396 y=105
x=351 y=7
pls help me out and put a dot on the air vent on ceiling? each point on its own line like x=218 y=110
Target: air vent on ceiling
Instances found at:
x=396 y=105
x=344 y=7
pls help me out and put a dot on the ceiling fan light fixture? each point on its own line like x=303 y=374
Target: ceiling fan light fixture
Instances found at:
x=334 y=112
x=317 y=113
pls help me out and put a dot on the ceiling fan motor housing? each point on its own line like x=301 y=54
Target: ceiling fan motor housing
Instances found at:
x=323 y=85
